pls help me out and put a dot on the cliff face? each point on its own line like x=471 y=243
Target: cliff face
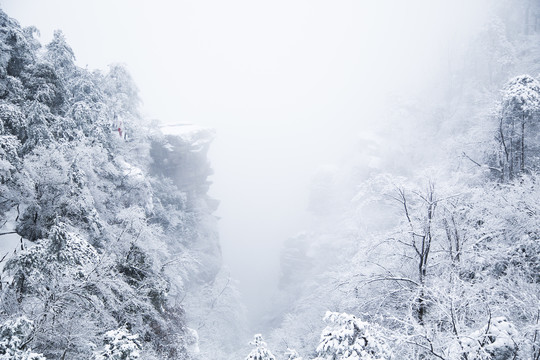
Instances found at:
x=179 y=153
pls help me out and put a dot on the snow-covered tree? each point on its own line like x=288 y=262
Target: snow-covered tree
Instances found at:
x=13 y=120
x=492 y=55
x=217 y=314
x=122 y=93
x=60 y=54
x=45 y=85
x=108 y=236
x=62 y=257
x=519 y=133
x=119 y=344
x=347 y=337
x=9 y=147
x=498 y=340
x=37 y=126
x=14 y=337
x=260 y=352
x=18 y=50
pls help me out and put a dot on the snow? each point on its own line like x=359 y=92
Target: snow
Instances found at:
x=498 y=336
x=260 y=352
x=347 y=337
x=130 y=170
x=10 y=243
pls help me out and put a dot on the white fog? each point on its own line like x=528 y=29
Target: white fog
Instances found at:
x=314 y=104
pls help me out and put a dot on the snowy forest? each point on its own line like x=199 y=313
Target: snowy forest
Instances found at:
x=424 y=241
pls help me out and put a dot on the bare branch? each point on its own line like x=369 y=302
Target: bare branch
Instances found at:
x=480 y=165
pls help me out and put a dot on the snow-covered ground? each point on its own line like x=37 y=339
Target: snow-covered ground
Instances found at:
x=10 y=243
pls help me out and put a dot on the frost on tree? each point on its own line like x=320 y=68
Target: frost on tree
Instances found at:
x=495 y=341
x=14 y=336
x=119 y=344
x=105 y=237
x=260 y=352
x=347 y=337
x=518 y=132
x=60 y=258
x=9 y=145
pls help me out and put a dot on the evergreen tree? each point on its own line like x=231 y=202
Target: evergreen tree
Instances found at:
x=14 y=336
x=347 y=337
x=518 y=127
x=119 y=344
x=260 y=352
x=106 y=234
x=60 y=55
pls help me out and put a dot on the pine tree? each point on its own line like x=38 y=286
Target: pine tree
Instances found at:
x=347 y=337
x=119 y=344
x=14 y=335
x=103 y=227
x=518 y=128
x=260 y=352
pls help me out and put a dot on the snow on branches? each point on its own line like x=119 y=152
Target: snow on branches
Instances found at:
x=522 y=95
x=496 y=340
x=14 y=336
x=347 y=337
x=119 y=344
x=260 y=352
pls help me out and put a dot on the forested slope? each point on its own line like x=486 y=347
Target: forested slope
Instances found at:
x=429 y=233
x=112 y=214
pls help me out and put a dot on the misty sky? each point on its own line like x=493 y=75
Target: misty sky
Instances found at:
x=288 y=85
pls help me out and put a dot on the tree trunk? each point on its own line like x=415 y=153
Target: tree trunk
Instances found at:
x=512 y=153
x=523 y=143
